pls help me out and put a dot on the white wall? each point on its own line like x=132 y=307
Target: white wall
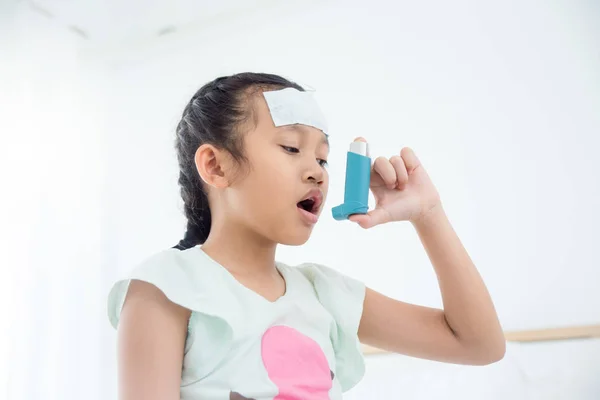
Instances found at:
x=51 y=158
x=500 y=102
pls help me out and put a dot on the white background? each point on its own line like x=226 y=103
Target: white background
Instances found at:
x=500 y=101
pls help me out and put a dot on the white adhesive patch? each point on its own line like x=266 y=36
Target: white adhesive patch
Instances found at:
x=290 y=106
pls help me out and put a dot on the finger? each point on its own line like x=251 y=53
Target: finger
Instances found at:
x=401 y=173
x=410 y=159
x=372 y=218
x=386 y=171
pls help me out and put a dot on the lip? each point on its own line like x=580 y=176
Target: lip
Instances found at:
x=317 y=196
x=309 y=217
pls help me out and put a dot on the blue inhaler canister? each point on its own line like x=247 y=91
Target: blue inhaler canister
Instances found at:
x=358 y=179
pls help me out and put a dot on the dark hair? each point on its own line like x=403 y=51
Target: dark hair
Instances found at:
x=212 y=116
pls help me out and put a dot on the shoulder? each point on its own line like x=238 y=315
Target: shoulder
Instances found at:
x=171 y=265
x=146 y=309
x=169 y=276
x=182 y=295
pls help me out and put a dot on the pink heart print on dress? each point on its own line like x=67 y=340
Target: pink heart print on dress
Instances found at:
x=296 y=364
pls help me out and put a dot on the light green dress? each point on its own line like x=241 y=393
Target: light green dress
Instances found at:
x=242 y=346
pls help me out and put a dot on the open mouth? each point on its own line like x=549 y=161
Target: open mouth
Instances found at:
x=307 y=205
x=312 y=202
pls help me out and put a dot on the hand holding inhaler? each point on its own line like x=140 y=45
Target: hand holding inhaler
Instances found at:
x=402 y=188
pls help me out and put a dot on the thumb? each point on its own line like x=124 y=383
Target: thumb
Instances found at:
x=372 y=218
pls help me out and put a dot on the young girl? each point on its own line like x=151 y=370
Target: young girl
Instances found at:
x=216 y=317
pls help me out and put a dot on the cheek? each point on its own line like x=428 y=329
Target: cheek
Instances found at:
x=267 y=186
x=273 y=173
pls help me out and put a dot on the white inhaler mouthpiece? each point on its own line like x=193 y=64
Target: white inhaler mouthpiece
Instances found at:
x=361 y=148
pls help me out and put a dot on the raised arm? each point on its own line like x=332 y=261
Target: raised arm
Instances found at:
x=466 y=331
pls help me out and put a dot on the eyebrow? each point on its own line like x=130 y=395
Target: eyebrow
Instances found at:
x=300 y=128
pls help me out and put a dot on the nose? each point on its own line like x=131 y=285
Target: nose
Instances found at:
x=314 y=173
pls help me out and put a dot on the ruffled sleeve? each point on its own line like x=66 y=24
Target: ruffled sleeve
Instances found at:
x=188 y=284
x=343 y=297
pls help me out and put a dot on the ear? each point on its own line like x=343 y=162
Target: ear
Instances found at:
x=213 y=165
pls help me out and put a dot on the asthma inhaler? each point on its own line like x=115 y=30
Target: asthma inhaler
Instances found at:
x=358 y=179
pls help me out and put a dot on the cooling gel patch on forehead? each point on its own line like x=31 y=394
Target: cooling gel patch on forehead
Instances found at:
x=291 y=106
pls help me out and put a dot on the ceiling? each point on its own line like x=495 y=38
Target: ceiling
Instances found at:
x=116 y=20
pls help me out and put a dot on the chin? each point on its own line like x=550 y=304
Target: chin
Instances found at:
x=297 y=238
x=293 y=242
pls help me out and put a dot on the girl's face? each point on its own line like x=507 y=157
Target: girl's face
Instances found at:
x=286 y=165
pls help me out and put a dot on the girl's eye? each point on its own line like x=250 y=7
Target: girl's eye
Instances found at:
x=294 y=150
x=290 y=149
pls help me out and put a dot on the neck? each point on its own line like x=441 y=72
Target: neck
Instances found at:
x=240 y=250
